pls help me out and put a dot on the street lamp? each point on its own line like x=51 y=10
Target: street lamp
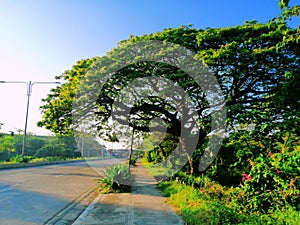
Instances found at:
x=29 y=91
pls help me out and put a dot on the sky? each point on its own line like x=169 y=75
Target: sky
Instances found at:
x=39 y=39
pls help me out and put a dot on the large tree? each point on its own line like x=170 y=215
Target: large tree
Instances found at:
x=256 y=65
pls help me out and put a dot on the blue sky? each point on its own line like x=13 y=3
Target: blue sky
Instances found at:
x=39 y=39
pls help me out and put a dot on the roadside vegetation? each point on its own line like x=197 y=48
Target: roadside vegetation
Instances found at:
x=44 y=149
x=267 y=192
x=30 y=159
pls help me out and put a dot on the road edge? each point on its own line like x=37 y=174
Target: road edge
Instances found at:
x=74 y=209
x=82 y=216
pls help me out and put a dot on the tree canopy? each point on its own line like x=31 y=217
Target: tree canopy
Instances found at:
x=255 y=64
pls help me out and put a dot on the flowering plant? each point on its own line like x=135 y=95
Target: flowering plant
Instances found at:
x=273 y=180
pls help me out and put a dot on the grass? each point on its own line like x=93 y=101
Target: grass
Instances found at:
x=215 y=204
x=157 y=171
x=196 y=208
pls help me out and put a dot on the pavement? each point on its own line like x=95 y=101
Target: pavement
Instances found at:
x=145 y=205
x=36 y=195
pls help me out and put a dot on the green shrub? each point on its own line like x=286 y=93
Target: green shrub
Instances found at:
x=153 y=155
x=48 y=159
x=195 y=208
x=117 y=178
x=133 y=160
x=284 y=216
x=209 y=212
x=272 y=182
x=196 y=181
x=213 y=203
x=269 y=192
x=209 y=189
x=21 y=159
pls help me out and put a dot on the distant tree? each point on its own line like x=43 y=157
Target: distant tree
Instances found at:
x=54 y=147
x=7 y=143
x=33 y=143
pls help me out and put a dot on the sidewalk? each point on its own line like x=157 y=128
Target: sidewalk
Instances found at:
x=145 y=205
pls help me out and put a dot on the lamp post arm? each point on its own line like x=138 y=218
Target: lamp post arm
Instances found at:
x=29 y=91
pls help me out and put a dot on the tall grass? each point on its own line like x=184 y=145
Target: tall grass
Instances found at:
x=213 y=203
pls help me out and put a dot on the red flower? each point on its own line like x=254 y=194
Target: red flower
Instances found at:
x=278 y=171
x=246 y=177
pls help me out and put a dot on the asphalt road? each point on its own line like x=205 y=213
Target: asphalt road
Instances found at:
x=34 y=195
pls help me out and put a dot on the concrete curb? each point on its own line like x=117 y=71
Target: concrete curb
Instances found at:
x=90 y=208
x=73 y=210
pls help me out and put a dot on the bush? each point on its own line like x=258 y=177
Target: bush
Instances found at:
x=21 y=159
x=153 y=155
x=133 y=160
x=196 y=181
x=284 y=216
x=269 y=190
x=117 y=178
x=209 y=189
x=272 y=182
x=48 y=159
x=213 y=203
x=196 y=207
x=210 y=212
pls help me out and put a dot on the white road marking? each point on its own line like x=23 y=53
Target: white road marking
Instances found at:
x=16 y=174
x=6 y=189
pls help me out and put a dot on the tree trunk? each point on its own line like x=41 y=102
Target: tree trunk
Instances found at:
x=189 y=157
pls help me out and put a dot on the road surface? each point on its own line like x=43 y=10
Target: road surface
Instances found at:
x=31 y=196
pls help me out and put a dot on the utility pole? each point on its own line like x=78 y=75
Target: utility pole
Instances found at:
x=130 y=151
x=29 y=91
